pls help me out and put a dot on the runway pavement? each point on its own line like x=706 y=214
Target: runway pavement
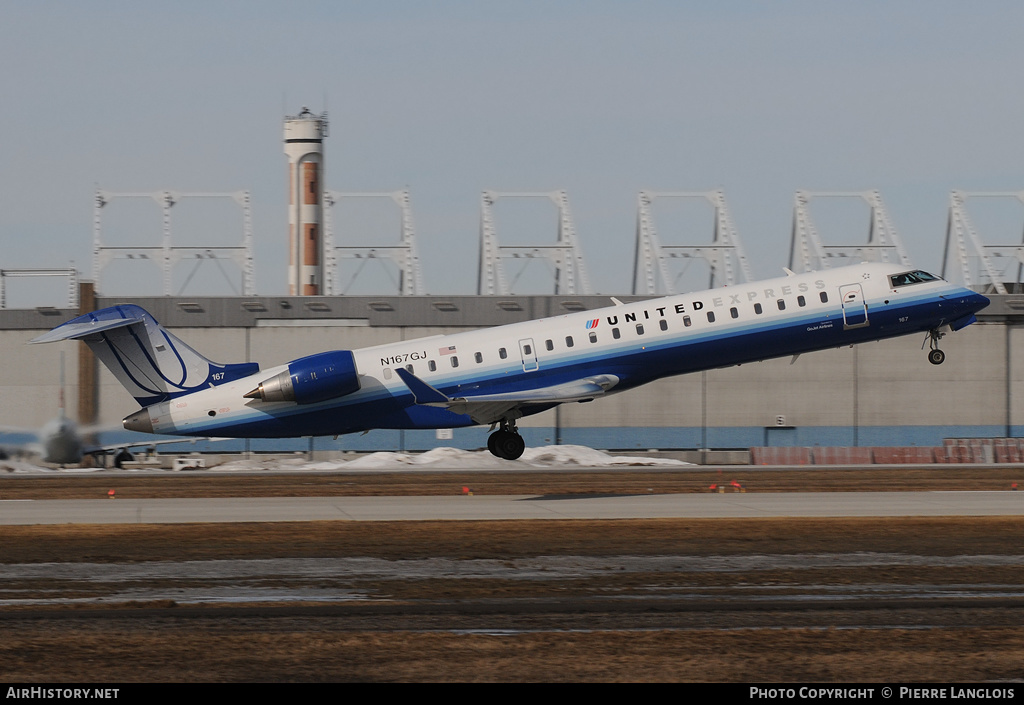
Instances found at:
x=505 y=507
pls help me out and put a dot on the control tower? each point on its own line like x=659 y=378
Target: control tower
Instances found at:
x=304 y=146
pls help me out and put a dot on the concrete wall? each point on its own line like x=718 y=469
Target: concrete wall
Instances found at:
x=30 y=379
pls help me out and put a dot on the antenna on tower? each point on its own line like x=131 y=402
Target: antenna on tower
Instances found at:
x=978 y=260
x=404 y=255
x=724 y=256
x=167 y=254
x=809 y=252
x=565 y=254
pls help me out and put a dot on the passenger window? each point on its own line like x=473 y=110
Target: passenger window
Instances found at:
x=711 y=316
x=639 y=328
x=432 y=366
x=527 y=350
x=455 y=360
x=593 y=337
x=687 y=322
x=568 y=341
x=615 y=333
x=549 y=344
x=663 y=323
x=734 y=312
x=478 y=357
x=502 y=353
x=387 y=373
x=758 y=309
x=409 y=367
x=782 y=304
x=824 y=297
x=801 y=301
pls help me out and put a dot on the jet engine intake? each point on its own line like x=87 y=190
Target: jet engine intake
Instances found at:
x=311 y=379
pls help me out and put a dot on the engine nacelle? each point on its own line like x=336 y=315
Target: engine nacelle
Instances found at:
x=319 y=377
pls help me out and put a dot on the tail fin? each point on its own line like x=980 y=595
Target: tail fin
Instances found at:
x=148 y=361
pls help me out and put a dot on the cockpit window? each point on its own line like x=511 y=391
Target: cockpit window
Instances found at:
x=915 y=277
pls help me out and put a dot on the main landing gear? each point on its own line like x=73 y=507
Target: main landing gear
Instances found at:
x=935 y=356
x=506 y=442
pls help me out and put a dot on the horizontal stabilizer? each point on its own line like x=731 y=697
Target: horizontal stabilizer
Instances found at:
x=72 y=330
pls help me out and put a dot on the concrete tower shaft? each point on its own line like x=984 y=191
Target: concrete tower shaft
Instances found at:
x=303 y=144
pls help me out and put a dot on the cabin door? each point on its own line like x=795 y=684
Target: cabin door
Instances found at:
x=855 y=308
x=529 y=353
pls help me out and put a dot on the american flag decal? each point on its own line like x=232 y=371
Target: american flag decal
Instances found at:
x=593 y=323
x=450 y=350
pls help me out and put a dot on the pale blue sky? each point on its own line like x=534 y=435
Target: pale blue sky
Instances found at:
x=449 y=98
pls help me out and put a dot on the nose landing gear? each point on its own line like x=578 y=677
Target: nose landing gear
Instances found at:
x=506 y=442
x=935 y=356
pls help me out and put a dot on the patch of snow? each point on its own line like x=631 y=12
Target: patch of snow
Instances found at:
x=18 y=466
x=544 y=457
x=547 y=456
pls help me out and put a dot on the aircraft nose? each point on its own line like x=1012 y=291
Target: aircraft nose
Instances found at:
x=972 y=302
x=139 y=421
x=979 y=302
x=968 y=300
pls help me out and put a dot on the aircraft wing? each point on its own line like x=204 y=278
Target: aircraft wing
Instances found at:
x=489 y=408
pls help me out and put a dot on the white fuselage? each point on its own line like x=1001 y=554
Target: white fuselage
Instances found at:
x=634 y=343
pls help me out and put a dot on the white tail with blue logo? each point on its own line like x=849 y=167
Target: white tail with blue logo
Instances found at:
x=151 y=363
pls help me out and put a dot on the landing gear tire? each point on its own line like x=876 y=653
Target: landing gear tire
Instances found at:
x=121 y=458
x=506 y=444
x=509 y=445
x=935 y=356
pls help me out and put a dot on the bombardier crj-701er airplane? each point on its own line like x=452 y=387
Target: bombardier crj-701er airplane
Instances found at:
x=498 y=375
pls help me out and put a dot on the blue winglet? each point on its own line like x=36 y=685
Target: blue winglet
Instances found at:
x=422 y=392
